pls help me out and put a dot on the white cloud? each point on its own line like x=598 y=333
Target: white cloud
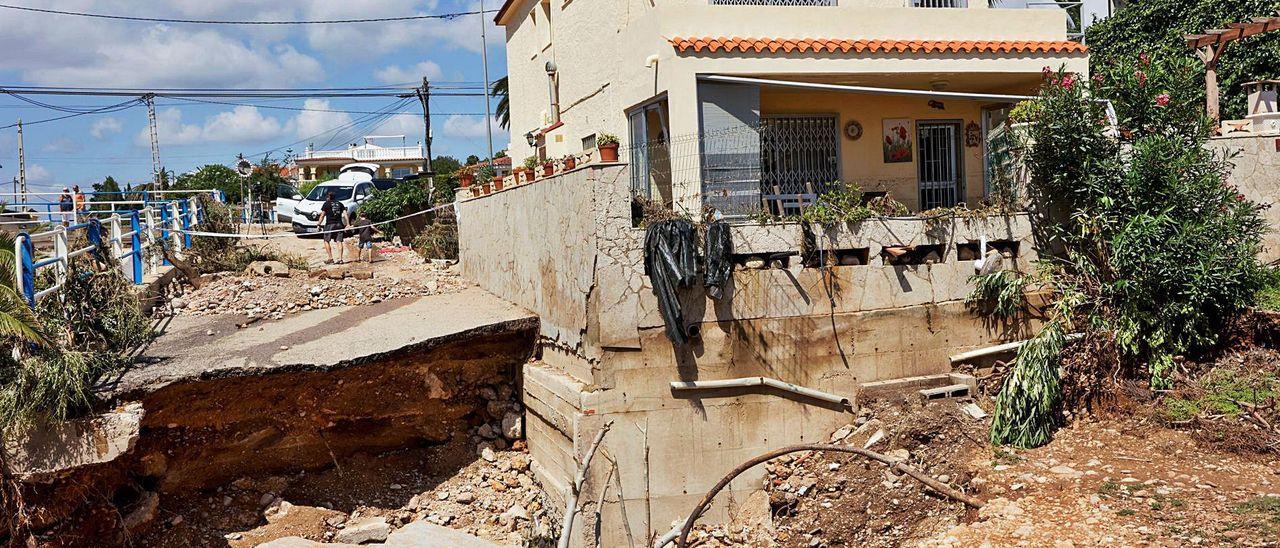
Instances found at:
x=356 y=42
x=63 y=145
x=103 y=126
x=242 y=124
x=316 y=124
x=470 y=127
x=394 y=74
x=38 y=175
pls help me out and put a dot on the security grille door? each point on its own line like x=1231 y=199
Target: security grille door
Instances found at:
x=939 y=164
x=798 y=153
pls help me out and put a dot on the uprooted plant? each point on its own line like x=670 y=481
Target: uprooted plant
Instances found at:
x=1145 y=245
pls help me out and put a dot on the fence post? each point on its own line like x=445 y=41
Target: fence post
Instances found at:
x=164 y=229
x=135 y=241
x=150 y=213
x=117 y=246
x=186 y=213
x=20 y=258
x=175 y=222
x=60 y=250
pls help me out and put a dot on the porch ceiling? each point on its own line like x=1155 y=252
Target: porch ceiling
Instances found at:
x=1003 y=83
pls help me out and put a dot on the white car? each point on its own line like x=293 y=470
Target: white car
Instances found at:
x=353 y=185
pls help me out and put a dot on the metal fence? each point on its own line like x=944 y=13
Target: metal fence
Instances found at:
x=773 y=2
x=148 y=222
x=783 y=163
x=939 y=3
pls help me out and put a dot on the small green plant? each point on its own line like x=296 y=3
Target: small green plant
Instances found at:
x=1126 y=512
x=531 y=162
x=1001 y=294
x=606 y=139
x=402 y=199
x=840 y=203
x=1109 y=488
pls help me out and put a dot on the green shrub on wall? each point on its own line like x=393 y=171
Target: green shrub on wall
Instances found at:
x=1157 y=27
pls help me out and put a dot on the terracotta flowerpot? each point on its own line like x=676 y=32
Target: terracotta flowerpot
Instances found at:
x=569 y=163
x=497 y=183
x=487 y=188
x=466 y=179
x=609 y=153
x=475 y=191
x=548 y=169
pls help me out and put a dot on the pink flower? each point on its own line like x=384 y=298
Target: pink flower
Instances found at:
x=1046 y=71
x=1142 y=77
x=1098 y=78
x=1146 y=59
x=1068 y=80
x=1162 y=100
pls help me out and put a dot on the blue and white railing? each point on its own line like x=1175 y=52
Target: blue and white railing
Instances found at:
x=148 y=223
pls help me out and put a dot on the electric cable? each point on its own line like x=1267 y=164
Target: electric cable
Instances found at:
x=402 y=18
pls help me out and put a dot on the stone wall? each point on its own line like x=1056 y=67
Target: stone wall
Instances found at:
x=1256 y=172
x=566 y=248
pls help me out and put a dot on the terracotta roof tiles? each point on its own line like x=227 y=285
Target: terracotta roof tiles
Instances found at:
x=824 y=45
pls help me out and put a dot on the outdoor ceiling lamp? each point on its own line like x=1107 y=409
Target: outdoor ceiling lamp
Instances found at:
x=531 y=138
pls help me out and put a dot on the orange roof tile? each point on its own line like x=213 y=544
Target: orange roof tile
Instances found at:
x=817 y=45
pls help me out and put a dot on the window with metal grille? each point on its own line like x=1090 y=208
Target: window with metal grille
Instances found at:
x=773 y=2
x=799 y=154
x=939 y=3
x=939 y=164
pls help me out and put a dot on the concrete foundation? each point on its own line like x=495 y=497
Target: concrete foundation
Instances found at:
x=566 y=249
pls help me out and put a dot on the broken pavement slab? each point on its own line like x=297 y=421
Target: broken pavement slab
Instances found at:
x=319 y=340
x=64 y=446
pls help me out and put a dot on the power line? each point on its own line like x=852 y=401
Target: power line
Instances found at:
x=230 y=22
x=107 y=109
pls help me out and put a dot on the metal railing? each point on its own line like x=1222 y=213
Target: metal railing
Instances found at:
x=151 y=223
x=370 y=154
x=826 y=3
x=938 y=3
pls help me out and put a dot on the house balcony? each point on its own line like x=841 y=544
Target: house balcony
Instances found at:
x=775 y=147
x=366 y=153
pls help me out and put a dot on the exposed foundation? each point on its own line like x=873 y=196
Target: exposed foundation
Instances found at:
x=566 y=248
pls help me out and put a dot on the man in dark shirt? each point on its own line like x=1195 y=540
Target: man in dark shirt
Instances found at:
x=334 y=217
x=366 y=231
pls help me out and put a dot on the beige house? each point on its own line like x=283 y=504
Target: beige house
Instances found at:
x=750 y=104
x=393 y=161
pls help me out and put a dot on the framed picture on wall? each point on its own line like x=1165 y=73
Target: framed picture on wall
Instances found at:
x=897 y=140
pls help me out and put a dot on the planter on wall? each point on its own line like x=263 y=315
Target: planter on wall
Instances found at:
x=497 y=183
x=609 y=152
x=466 y=179
x=548 y=169
x=569 y=163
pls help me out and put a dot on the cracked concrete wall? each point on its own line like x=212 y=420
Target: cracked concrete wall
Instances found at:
x=536 y=245
x=1256 y=168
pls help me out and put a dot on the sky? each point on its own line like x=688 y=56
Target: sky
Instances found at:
x=59 y=50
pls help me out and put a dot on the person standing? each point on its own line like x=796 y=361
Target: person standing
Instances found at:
x=334 y=215
x=80 y=203
x=366 y=231
x=66 y=206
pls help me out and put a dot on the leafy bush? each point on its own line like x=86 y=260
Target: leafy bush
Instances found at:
x=402 y=199
x=841 y=203
x=1153 y=251
x=1156 y=27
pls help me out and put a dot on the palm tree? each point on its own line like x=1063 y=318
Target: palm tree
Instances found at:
x=17 y=321
x=503 y=113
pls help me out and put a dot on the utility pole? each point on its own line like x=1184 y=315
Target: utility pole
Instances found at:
x=22 y=165
x=157 y=181
x=484 y=57
x=424 y=96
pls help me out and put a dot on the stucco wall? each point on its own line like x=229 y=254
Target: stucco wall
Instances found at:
x=595 y=90
x=1256 y=172
x=862 y=161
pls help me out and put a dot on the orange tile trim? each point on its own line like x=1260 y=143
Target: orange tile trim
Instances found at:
x=823 y=45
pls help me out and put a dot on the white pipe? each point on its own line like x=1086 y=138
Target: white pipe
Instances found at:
x=1000 y=349
x=750 y=382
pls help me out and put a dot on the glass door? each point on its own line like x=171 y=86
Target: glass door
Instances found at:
x=939 y=165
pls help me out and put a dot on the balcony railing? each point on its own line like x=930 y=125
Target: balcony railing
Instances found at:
x=939 y=3
x=367 y=154
x=773 y=2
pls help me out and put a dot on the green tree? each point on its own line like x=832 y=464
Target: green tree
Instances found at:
x=1156 y=28
x=503 y=110
x=213 y=177
x=1149 y=250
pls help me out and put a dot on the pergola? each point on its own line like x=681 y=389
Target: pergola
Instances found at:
x=1209 y=48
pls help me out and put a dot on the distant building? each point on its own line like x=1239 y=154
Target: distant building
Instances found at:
x=393 y=162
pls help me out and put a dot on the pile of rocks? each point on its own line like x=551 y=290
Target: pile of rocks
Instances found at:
x=504 y=420
x=274 y=296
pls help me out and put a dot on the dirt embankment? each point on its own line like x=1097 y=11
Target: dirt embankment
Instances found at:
x=204 y=434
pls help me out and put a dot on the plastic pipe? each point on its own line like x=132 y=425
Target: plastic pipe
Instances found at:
x=751 y=382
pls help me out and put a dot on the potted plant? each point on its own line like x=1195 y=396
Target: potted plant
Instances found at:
x=569 y=162
x=486 y=175
x=466 y=178
x=548 y=168
x=608 y=145
x=476 y=191
x=530 y=164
